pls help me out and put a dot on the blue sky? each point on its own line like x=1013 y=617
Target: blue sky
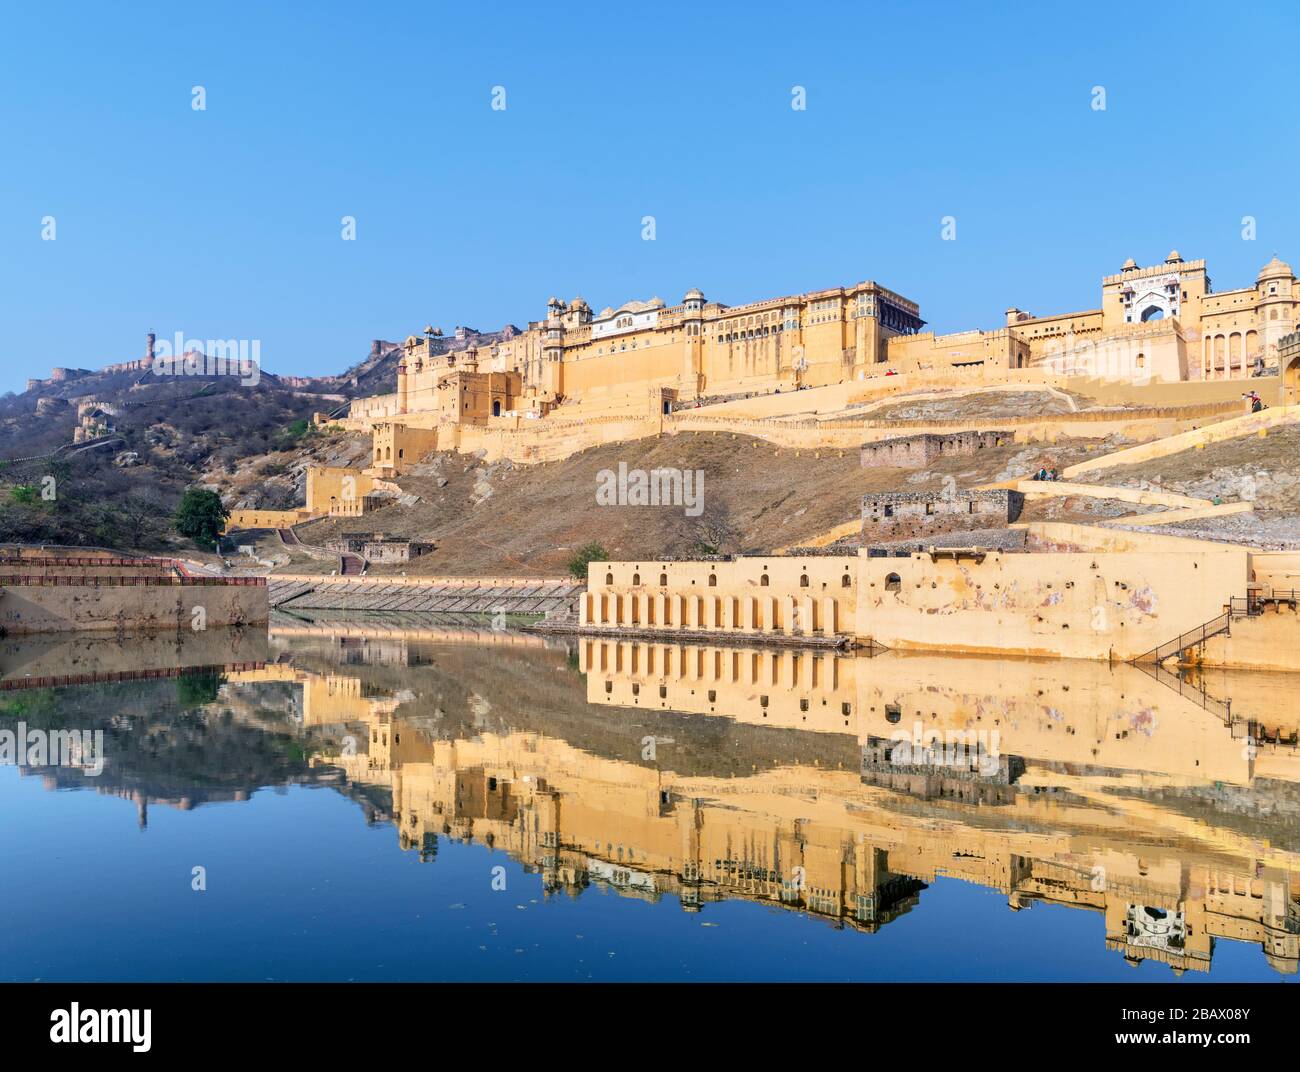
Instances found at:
x=225 y=223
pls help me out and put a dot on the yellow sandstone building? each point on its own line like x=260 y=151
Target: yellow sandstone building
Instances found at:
x=578 y=378
x=1161 y=322
x=1076 y=592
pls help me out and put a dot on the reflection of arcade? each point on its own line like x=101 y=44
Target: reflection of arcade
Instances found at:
x=1063 y=711
x=1087 y=802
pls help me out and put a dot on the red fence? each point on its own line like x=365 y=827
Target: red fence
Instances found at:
x=77 y=580
x=95 y=560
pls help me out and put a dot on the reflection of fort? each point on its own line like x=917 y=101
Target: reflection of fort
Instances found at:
x=774 y=776
x=1108 y=790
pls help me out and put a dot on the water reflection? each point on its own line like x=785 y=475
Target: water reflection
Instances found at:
x=817 y=782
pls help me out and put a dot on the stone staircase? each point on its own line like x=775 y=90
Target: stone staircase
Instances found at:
x=376 y=594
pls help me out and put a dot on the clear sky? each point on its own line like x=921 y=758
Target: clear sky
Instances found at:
x=226 y=222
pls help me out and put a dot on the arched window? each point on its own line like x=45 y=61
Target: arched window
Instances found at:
x=713 y=580
x=663 y=580
x=1152 y=312
x=803 y=580
x=636 y=578
x=762 y=581
x=893 y=712
x=893 y=583
x=846 y=581
x=609 y=578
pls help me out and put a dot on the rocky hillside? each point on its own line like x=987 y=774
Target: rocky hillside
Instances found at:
x=156 y=442
x=151 y=437
x=501 y=518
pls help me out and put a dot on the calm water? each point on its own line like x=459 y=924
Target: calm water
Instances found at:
x=403 y=800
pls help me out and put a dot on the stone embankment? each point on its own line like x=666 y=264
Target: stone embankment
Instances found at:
x=55 y=592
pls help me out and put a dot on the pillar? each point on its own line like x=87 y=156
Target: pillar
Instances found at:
x=830 y=615
x=807 y=614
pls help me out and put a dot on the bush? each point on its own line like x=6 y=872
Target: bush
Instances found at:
x=592 y=552
x=295 y=433
x=201 y=517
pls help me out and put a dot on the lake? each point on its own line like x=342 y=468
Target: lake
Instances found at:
x=392 y=798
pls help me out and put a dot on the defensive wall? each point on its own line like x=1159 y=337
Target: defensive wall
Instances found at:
x=554 y=439
x=815 y=419
x=1191 y=439
x=818 y=418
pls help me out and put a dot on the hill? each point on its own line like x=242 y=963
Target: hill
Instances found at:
x=121 y=445
x=518 y=520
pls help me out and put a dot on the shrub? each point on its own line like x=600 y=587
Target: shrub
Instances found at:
x=592 y=552
x=201 y=516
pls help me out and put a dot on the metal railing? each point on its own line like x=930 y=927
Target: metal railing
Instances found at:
x=1247 y=606
x=1175 y=681
x=1202 y=633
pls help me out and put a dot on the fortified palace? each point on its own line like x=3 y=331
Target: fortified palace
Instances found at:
x=578 y=378
x=1159 y=323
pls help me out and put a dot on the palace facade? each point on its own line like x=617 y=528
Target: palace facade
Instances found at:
x=694 y=349
x=577 y=378
x=1160 y=323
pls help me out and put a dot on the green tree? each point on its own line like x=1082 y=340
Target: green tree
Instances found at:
x=199 y=688
x=296 y=431
x=201 y=516
x=592 y=552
